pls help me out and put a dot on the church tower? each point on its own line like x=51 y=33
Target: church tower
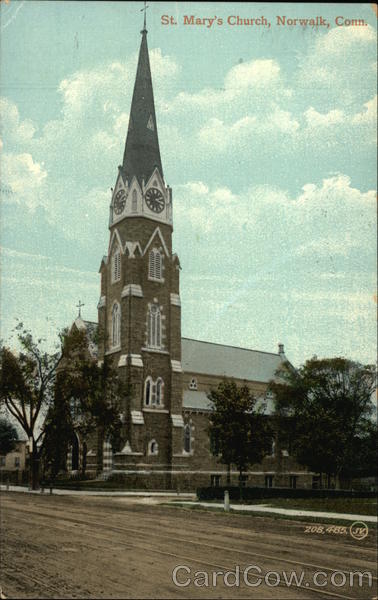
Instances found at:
x=139 y=307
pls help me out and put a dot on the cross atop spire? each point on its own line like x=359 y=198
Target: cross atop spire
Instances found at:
x=144 y=30
x=142 y=153
x=79 y=307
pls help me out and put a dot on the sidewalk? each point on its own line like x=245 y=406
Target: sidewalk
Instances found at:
x=265 y=508
x=63 y=492
x=182 y=500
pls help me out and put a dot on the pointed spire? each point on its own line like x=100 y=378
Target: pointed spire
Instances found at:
x=142 y=152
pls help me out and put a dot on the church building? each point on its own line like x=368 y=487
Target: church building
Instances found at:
x=165 y=422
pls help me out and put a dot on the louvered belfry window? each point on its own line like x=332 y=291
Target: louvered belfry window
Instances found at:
x=155 y=265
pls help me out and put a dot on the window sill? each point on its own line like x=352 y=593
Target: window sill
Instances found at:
x=113 y=350
x=156 y=350
x=156 y=280
x=150 y=409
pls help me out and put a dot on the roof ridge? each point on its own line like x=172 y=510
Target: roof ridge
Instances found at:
x=230 y=346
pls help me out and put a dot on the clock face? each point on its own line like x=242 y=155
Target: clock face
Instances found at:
x=155 y=200
x=119 y=202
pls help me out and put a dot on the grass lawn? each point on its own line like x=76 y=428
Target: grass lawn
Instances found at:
x=359 y=506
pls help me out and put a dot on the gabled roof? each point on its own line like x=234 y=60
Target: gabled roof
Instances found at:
x=91 y=329
x=208 y=358
x=142 y=154
x=228 y=361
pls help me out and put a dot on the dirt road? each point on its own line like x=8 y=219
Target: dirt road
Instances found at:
x=81 y=547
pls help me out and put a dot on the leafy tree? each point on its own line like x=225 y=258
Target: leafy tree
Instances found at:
x=59 y=430
x=8 y=437
x=27 y=388
x=87 y=400
x=240 y=433
x=324 y=407
x=363 y=461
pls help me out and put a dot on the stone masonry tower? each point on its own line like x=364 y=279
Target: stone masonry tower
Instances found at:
x=139 y=308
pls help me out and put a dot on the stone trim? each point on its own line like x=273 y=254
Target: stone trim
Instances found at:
x=156 y=410
x=132 y=289
x=107 y=461
x=136 y=360
x=113 y=350
x=157 y=231
x=176 y=366
x=126 y=450
x=175 y=300
x=128 y=454
x=177 y=420
x=122 y=360
x=132 y=246
x=101 y=302
x=115 y=234
x=155 y=350
x=137 y=417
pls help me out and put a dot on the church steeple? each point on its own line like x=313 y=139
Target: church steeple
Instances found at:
x=142 y=154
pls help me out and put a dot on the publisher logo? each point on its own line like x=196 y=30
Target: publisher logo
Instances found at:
x=359 y=530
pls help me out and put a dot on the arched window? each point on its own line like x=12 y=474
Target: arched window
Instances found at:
x=187 y=439
x=116 y=324
x=134 y=202
x=155 y=265
x=116 y=265
x=153 y=392
x=154 y=327
x=148 y=391
x=159 y=391
x=153 y=447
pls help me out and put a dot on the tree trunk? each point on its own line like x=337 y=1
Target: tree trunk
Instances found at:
x=34 y=468
x=100 y=450
x=84 y=462
x=241 y=483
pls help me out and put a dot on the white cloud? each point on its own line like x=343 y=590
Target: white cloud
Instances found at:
x=25 y=178
x=20 y=131
x=340 y=40
x=324 y=220
x=368 y=116
x=254 y=74
x=329 y=71
x=316 y=119
x=243 y=132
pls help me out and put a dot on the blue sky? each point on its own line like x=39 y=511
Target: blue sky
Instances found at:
x=267 y=137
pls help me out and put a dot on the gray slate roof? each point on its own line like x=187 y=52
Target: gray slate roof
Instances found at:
x=228 y=361
x=195 y=400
